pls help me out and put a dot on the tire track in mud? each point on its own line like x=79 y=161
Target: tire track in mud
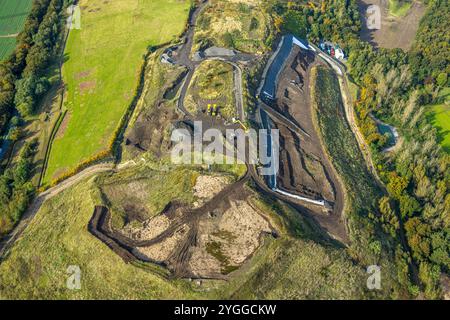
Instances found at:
x=100 y=226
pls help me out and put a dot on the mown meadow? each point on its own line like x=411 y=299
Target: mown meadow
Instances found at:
x=102 y=69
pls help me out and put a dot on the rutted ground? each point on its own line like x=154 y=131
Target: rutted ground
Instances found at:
x=199 y=222
x=306 y=173
x=58 y=236
x=207 y=226
x=304 y=167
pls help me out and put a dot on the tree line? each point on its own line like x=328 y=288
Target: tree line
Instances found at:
x=16 y=191
x=333 y=20
x=23 y=82
x=23 y=74
x=395 y=86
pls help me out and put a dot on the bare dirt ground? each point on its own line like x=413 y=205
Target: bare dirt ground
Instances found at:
x=227 y=238
x=210 y=241
x=150 y=130
x=304 y=167
x=395 y=32
x=206 y=187
x=445 y=285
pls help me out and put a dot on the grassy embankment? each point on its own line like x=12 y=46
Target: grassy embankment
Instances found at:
x=101 y=72
x=369 y=244
x=212 y=84
x=298 y=264
x=12 y=20
x=292 y=266
x=242 y=25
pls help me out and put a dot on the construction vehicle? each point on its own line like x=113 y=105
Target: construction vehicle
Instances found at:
x=212 y=110
x=246 y=129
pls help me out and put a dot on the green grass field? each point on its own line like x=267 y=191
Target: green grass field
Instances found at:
x=439 y=116
x=212 y=83
x=102 y=70
x=399 y=8
x=12 y=19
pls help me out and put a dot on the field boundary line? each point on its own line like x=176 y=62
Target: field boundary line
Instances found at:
x=63 y=114
x=53 y=133
x=11 y=35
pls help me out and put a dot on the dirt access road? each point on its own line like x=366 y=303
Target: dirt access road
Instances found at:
x=183 y=58
x=41 y=198
x=306 y=176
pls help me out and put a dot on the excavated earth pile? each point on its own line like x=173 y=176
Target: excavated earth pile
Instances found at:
x=304 y=167
x=209 y=240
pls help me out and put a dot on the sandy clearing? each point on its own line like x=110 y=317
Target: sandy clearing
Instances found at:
x=161 y=251
x=206 y=187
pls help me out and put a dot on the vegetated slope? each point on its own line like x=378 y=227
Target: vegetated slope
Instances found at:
x=296 y=269
x=340 y=142
x=7 y=46
x=12 y=18
x=102 y=69
x=144 y=194
x=368 y=245
x=399 y=8
x=212 y=84
x=240 y=24
x=417 y=174
x=58 y=237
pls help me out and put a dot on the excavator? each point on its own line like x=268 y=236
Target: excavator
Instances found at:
x=212 y=109
x=246 y=129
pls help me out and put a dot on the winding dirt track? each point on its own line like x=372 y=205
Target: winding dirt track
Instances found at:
x=251 y=172
x=41 y=198
x=100 y=226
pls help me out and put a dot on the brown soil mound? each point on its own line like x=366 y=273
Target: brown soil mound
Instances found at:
x=205 y=242
x=304 y=168
x=150 y=131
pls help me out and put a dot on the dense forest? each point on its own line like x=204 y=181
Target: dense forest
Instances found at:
x=334 y=20
x=23 y=83
x=15 y=189
x=395 y=86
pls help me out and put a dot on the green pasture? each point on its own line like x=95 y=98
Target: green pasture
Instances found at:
x=101 y=72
